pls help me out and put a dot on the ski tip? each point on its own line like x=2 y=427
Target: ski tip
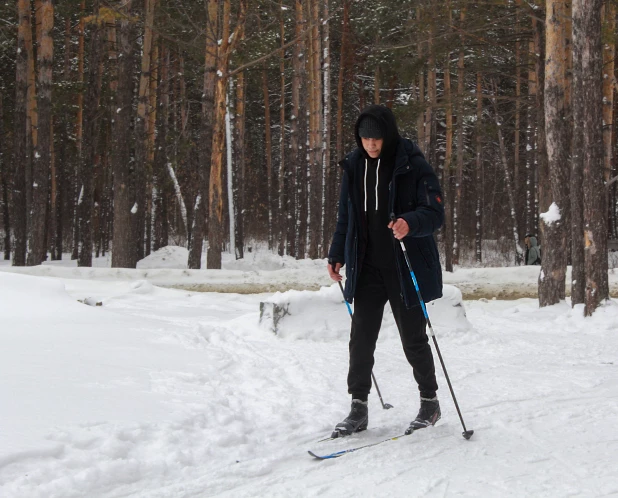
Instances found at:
x=318 y=457
x=467 y=434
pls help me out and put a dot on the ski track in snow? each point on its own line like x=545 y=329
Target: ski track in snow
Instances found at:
x=239 y=407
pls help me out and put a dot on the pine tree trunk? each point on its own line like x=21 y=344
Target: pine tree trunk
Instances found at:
x=4 y=185
x=268 y=158
x=447 y=229
x=554 y=260
x=124 y=254
x=215 y=193
x=302 y=183
x=461 y=95
x=20 y=135
x=609 y=82
x=89 y=142
x=206 y=132
x=345 y=29
x=295 y=120
x=282 y=208
x=141 y=133
x=588 y=48
x=239 y=145
x=578 y=271
x=161 y=159
x=328 y=188
x=79 y=127
x=41 y=165
x=531 y=140
x=517 y=138
x=479 y=168
x=315 y=223
x=542 y=181
x=507 y=177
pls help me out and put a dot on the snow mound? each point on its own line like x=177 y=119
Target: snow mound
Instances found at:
x=168 y=257
x=20 y=295
x=288 y=314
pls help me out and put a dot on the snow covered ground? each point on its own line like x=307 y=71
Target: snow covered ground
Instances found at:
x=171 y=393
x=261 y=272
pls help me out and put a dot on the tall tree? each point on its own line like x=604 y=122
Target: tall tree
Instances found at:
x=124 y=254
x=41 y=165
x=142 y=165
x=554 y=261
x=206 y=132
x=4 y=186
x=91 y=128
x=20 y=139
x=588 y=51
x=215 y=193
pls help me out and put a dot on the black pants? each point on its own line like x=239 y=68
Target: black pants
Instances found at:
x=374 y=287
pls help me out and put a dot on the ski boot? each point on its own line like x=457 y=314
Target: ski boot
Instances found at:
x=356 y=421
x=428 y=414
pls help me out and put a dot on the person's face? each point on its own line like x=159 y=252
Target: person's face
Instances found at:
x=527 y=241
x=373 y=146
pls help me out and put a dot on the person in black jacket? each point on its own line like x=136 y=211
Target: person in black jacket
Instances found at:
x=387 y=175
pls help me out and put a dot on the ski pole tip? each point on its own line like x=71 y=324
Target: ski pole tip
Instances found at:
x=467 y=434
x=388 y=406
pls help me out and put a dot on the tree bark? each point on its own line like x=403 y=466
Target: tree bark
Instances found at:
x=329 y=208
x=268 y=158
x=20 y=135
x=587 y=47
x=507 y=176
x=124 y=254
x=461 y=95
x=609 y=82
x=215 y=193
x=554 y=261
x=41 y=165
x=295 y=146
x=141 y=133
x=239 y=144
x=479 y=168
x=91 y=130
x=206 y=134
x=578 y=271
x=4 y=185
x=282 y=209
x=447 y=229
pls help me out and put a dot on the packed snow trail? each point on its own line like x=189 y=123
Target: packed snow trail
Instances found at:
x=164 y=393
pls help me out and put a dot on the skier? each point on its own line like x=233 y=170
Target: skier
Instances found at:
x=387 y=174
x=533 y=251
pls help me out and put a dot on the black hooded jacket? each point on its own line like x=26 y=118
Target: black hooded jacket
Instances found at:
x=406 y=186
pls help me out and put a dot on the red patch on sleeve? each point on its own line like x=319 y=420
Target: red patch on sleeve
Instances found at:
x=439 y=199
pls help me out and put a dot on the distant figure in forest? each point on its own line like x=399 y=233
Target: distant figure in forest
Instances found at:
x=533 y=251
x=387 y=176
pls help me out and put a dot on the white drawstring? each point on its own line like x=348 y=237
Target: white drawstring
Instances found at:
x=377 y=180
x=365 y=185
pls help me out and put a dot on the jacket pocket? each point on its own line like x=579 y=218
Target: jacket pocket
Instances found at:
x=425 y=252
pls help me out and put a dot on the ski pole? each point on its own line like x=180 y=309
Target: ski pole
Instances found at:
x=386 y=406
x=466 y=433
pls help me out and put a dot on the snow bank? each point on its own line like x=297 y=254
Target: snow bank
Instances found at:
x=264 y=272
x=287 y=314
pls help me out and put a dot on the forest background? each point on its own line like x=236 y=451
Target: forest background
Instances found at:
x=127 y=126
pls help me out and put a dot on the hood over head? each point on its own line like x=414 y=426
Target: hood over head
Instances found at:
x=388 y=125
x=533 y=242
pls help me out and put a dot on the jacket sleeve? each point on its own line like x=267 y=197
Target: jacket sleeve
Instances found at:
x=429 y=213
x=337 y=248
x=532 y=256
